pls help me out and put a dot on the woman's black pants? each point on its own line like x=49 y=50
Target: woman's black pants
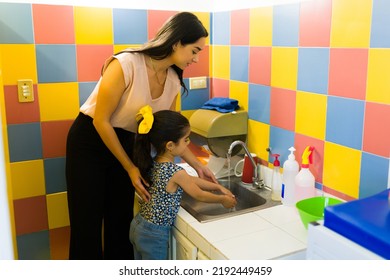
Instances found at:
x=100 y=194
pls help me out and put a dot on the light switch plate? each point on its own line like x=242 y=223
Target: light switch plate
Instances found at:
x=198 y=83
x=25 y=90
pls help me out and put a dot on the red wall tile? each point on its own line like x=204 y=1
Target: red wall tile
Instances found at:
x=260 y=65
x=54 y=136
x=53 y=24
x=348 y=73
x=17 y=112
x=220 y=87
x=201 y=68
x=376 y=137
x=283 y=108
x=315 y=23
x=90 y=60
x=156 y=19
x=59 y=243
x=30 y=215
x=239 y=28
x=337 y=193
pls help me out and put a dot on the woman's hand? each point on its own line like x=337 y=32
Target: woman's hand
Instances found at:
x=139 y=183
x=205 y=173
x=229 y=201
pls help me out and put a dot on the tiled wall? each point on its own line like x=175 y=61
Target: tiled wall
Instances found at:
x=312 y=73
x=62 y=49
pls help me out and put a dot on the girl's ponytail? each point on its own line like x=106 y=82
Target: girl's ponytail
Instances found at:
x=155 y=131
x=142 y=156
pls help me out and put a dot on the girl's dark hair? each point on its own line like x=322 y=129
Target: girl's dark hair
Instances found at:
x=167 y=126
x=182 y=27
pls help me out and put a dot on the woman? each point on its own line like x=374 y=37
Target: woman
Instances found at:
x=100 y=171
x=168 y=133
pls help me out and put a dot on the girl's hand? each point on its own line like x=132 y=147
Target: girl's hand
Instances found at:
x=229 y=201
x=139 y=183
x=225 y=191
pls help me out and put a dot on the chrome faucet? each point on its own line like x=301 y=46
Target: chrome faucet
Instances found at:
x=257 y=181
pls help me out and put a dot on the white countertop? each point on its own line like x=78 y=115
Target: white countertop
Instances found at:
x=271 y=233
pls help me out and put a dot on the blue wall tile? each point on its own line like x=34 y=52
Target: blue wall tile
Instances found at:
x=285 y=25
x=239 y=63
x=85 y=90
x=259 y=103
x=313 y=68
x=221 y=28
x=56 y=63
x=130 y=26
x=25 y=141
x=195 y=98
x=344 y=124
x=380 y=26
x=16 y=26
x=373 y=174
x=280 y=141
x=34 y=246
x=55 y=175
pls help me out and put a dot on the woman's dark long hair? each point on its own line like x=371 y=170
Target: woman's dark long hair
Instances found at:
x=182 y=27
x=167 y=126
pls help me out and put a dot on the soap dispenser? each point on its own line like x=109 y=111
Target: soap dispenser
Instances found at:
x=305 y=181
x=276 y=184
x=290 y=171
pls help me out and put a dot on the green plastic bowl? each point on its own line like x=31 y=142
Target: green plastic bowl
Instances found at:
x=312 y=209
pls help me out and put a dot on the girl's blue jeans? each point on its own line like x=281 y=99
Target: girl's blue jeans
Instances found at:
x=150 y=241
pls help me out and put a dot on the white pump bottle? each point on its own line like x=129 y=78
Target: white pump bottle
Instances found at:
x=290 y=171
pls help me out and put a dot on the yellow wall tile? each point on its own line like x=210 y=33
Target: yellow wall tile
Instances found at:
x=19 y=63
x=211 y=59
x=59 y=101
x=239 y=91
x=57 y=210
x=284 y=67
x=93 y=25
x=260 y=26
x=178 y=102
x=378 y=81
x=221 y=62
x=351 y=23
x=342 y=169
x=204 y=17
x=27 y=179
x=3 y=118
x=258 y=138
x=6 y=156
x=310 y=116
x=118 y=48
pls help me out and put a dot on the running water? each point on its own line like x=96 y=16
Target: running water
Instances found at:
x=228 y=160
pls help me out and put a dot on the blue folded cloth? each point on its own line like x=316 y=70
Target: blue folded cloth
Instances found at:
x=221 y=104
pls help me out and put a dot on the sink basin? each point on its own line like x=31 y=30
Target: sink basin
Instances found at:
x=249 y=199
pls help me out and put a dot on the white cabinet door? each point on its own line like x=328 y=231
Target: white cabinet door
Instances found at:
x=182 y=248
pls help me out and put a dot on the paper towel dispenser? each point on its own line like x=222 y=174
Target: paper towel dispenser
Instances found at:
x=219 y=130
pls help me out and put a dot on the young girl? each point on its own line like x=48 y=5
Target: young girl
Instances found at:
x=167 y=132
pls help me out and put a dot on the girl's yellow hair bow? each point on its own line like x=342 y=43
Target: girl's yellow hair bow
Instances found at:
x=145 y=114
